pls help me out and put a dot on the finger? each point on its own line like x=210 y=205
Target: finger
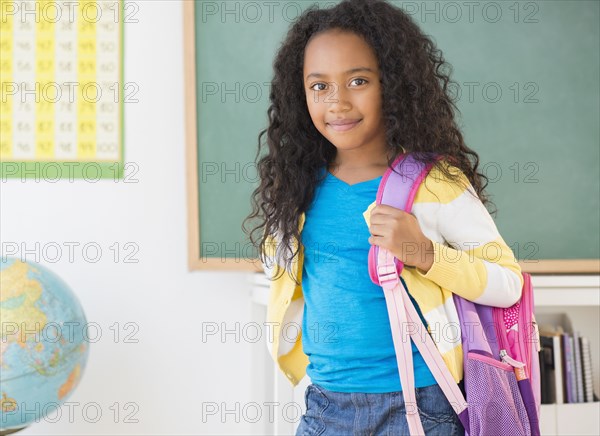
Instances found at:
x=383 y=217
x=375 y=240
x=377 y=229
x=386 y=209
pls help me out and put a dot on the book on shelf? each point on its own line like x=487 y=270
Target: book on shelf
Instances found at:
x=586 y=358
x=578 y=367
x=550 y=339
x=566 y=374
x=547 y=369
x=569 y=370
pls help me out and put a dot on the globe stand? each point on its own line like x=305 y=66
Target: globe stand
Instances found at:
x=14 y=430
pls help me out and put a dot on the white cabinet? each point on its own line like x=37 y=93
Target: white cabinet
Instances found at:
x=577 y=296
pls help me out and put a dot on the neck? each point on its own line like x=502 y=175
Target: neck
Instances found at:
x=350 y=160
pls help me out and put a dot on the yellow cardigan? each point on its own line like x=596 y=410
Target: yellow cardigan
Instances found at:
x=471 y=259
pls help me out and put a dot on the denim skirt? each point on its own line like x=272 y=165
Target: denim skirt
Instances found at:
x=352 y=413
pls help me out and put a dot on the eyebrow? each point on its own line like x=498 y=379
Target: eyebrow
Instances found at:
x=350 y=71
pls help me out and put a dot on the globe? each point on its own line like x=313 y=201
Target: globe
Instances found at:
x=43 y=349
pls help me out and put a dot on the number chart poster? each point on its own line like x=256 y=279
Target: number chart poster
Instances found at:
x=62 y=89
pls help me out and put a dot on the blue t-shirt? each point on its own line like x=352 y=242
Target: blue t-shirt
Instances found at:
x=346 y=328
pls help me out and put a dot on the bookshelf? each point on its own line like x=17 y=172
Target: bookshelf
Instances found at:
x=578 y=297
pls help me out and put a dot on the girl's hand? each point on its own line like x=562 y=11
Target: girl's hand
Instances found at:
x=400 y=233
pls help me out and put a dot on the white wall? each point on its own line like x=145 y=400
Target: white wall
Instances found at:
x=170 y=372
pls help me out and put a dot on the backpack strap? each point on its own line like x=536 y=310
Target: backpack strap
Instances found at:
x=398 y=189
x=405 y=319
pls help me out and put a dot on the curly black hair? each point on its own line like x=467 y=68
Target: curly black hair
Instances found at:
x=417 y=106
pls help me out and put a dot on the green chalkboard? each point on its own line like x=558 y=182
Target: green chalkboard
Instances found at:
x=527 y=80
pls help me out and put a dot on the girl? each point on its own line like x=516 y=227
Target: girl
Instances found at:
x=354 y=86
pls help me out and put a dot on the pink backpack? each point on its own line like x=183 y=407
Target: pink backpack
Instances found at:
x=501 y=361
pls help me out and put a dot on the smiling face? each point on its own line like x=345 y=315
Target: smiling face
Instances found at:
x=341 y=83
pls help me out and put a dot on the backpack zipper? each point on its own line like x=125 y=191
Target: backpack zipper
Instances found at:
x=518 y=366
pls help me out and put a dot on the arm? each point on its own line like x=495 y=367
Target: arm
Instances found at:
x=478 y=265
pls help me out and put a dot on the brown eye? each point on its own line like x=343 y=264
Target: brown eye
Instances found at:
x=363 y=80
x=320 y=83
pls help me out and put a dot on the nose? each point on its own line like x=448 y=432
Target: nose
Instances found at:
x=338 y=99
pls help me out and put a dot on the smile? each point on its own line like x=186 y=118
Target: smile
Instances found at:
x=343 y=127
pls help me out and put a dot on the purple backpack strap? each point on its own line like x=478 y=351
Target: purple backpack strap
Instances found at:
x=398 y=189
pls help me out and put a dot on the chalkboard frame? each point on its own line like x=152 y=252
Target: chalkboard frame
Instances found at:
x=195 y=260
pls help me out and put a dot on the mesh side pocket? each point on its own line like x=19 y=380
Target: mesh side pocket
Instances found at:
x=495 y=403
